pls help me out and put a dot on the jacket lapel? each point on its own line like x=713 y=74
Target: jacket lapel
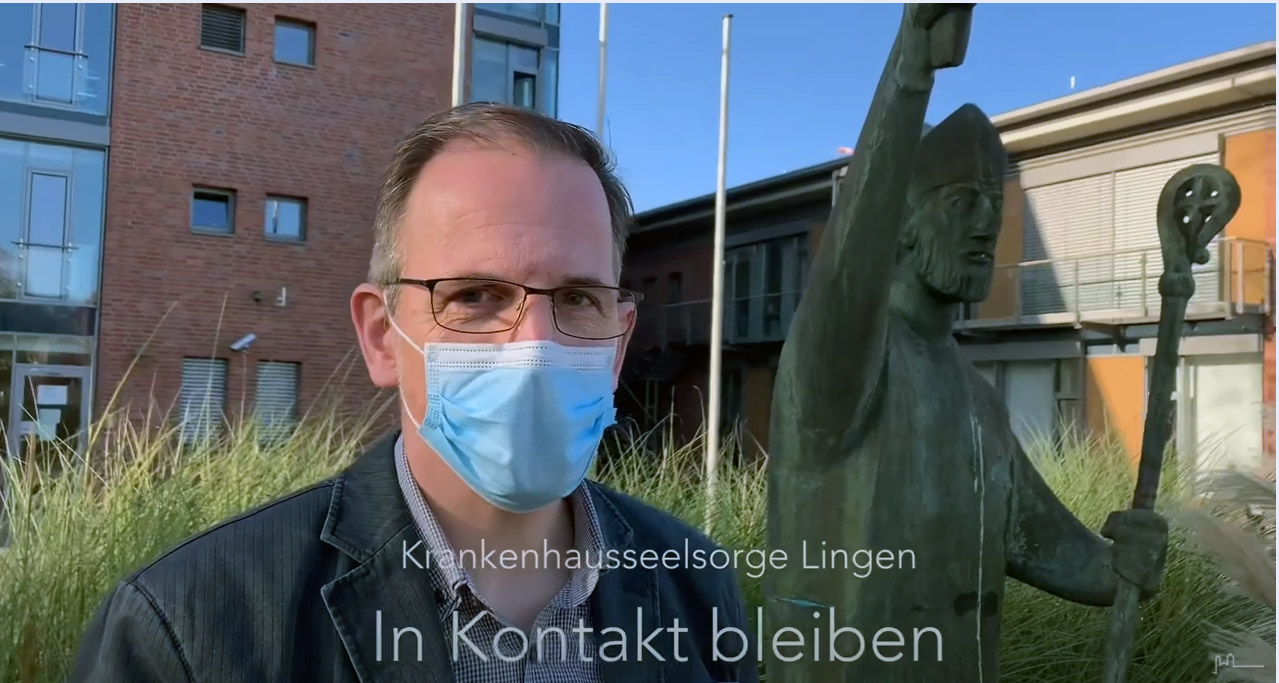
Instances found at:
x=369 y=521
x=626 y=598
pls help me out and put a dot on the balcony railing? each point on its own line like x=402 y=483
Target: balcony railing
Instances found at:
x=760 y=318
x=1123 y=287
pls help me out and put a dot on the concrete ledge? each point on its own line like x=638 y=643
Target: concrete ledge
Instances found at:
x=1206 y=346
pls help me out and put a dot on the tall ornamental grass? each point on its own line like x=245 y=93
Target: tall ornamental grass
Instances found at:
x=78 y=523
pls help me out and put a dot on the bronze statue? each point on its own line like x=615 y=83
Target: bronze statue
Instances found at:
x=884 y=440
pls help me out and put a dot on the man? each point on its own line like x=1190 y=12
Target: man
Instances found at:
x=446 y=553
x=895 y=435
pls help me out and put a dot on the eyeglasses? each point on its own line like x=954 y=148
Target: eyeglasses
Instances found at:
x=484 y=306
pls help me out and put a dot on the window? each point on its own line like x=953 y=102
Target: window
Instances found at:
x=203 y=399
x=285 y=218
x=533 y=11
x=294 y=42
x=647 y=285
x=763 y=285
x=46 y=235
x=514 y=74
x=222 y=28
x=674 y=288
x=50 y=240
x=276 y=403
x=56 y=54
x=731 y=393
x=213 y=211
x=1068 y=394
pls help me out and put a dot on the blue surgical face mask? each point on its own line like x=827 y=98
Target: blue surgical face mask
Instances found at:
x=520 y=423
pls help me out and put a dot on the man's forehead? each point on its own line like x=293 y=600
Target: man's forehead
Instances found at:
x=465 y=178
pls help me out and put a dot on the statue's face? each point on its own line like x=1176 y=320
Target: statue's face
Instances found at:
x=951 y=240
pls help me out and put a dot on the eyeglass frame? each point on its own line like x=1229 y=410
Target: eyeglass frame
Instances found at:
x=431 y=284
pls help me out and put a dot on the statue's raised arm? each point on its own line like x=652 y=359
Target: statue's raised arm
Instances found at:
x=835 y=346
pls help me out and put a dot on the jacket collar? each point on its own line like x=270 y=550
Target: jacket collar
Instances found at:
x=367 y=508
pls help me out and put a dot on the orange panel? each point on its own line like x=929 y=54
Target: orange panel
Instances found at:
x=1115 y=399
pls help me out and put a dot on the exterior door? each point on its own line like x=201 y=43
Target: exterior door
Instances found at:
x=1222 y=411
x=50 y=407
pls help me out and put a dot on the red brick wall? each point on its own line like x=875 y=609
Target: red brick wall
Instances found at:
x=184 y=116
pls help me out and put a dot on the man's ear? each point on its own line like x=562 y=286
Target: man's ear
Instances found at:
x=371 y=318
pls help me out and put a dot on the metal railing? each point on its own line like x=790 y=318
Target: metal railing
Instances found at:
x=1124 y=286
x=759 y=318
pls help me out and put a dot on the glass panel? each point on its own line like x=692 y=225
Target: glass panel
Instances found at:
x=47 y=220
x=16 y=25
x=773 y=267
x=523 y=59
x=489 y=73
x=549 y=98
x=57 y=26
x=211 y=211
x=55 y=59
x=293 y=43
x=525 y=91
x=44 y=271
x=553 y=13
x=773 y=315
x=87 y=201
x=12 y=169
x=284 y=218
x=94 y=94
x=55 y=76
x=742 y=318
x=6 y=382
x=742 y=275
x=524 y=10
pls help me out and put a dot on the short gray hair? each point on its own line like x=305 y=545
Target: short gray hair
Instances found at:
x=487 y=124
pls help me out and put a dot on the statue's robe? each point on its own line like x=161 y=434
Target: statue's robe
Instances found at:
x=931 y=467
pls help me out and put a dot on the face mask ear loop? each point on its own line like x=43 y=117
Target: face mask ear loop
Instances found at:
x=416 y=424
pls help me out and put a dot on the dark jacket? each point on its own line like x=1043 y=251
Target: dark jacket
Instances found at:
x=290 y=592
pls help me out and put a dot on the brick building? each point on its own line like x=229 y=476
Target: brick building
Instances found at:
x=1068 y=329
x=178 y=178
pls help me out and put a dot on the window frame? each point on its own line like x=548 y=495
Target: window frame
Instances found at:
x=231 y=206
x=76 y=53
x=244 y=28
x=311 y=31
x=24 y=292
x=302 y=218
x=539 y=78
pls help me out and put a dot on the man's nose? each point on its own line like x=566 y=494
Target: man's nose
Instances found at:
x=537 y=322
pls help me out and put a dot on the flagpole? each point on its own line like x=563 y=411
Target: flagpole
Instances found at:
x=717 y=289
x=459 y=52
x=599 y=103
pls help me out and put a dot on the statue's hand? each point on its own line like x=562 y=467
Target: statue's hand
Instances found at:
x=947 y=27
x=1140 y=547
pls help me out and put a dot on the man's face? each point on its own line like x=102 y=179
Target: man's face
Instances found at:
x=511 y=214
x=955 y=229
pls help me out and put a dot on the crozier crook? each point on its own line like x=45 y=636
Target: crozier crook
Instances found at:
x=1194 y=207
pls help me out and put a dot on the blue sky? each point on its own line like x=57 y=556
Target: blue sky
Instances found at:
x=802 y=74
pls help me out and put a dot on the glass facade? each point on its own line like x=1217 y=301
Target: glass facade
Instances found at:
x=532 y=11
x=514 y=64
x=50 y=246
x=515 y=74
x=57 y=55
